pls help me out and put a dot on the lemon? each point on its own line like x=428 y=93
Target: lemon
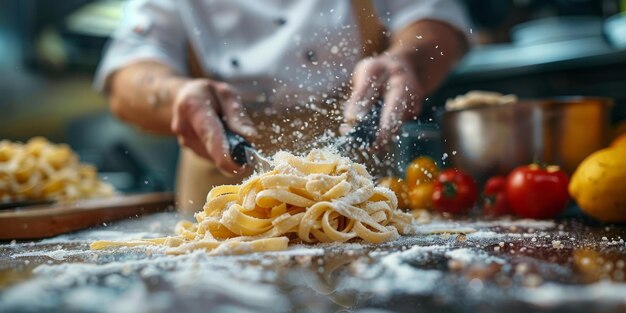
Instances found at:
x=619 y=141
x=598 y=184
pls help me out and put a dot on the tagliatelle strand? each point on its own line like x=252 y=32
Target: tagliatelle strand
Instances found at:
x=318 y=198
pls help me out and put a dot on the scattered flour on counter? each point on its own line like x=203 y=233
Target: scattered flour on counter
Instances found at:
x=348 y=246
x=392 y=274
x=416 y=253
x=550 y=294
x=92 y=235
x=443 y=228
x=131 y=300
x=526 y=223
x=481 y=235
x=469 y=256
x=120 y=286
x=59 y=255
x=245 y=283
x=299 y=250
x=469 y=227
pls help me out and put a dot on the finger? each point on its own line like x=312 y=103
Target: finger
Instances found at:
x=369 y=76
x=415 y=97
x=390 y=118
x=397 y=102
x=184 y=132
x=210 y=130
x=179 y=124
x=234 y=113
x=194 y=143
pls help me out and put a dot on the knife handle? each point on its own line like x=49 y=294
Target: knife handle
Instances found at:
x=364 y=132
x=236 y=146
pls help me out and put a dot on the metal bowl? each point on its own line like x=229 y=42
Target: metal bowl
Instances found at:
x=615 y=30
x=493 y=140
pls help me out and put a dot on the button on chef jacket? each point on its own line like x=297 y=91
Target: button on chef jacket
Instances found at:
x=270 y=51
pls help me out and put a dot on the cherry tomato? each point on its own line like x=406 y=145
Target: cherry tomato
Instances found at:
x=537 y=192
x=494 y=196
x=421 y=196
x=454 y=191
x=421 y=170
x=398 y=186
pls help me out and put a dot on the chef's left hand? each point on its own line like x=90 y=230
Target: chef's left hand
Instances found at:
x=391 y=78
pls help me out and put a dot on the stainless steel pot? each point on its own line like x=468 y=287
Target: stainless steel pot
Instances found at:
x=490 y=140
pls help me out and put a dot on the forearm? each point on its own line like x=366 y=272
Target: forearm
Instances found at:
x=143 y=94
x=432 y=48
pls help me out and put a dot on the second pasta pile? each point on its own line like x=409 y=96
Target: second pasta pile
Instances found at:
x=39 y=169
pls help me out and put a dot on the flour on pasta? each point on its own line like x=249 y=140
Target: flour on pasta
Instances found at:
x=320 y=197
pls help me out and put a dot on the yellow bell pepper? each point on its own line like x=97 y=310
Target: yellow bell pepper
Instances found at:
x=398 y=186
x=420 y=176
x=597 y=185
x=420 y=197
x=421 y=170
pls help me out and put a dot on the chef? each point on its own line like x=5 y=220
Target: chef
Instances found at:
x=281 y=73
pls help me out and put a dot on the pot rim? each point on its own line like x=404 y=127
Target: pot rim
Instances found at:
x=551 y=101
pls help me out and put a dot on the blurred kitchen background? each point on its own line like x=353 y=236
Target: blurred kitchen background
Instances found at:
x=49 y=51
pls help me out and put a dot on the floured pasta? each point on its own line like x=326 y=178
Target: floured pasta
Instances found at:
x=39 y=169
x=478 y=98
x=318 y=198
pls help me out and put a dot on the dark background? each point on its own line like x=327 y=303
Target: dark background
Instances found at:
x=49 y=51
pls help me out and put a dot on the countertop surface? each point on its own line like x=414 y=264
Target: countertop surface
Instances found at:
x=505 y=265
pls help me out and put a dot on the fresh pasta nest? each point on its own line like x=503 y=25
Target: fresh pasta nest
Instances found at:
x=314 y=199
x=39 y=169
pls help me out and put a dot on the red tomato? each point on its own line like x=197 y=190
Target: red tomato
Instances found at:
x=537 y=192
x=494 y=196
x=454 y=192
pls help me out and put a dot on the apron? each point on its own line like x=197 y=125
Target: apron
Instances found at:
x=277 y=131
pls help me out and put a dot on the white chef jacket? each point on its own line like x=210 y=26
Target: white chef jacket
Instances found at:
x=273 y=51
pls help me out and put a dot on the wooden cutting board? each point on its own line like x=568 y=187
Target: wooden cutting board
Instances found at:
x=41 y=221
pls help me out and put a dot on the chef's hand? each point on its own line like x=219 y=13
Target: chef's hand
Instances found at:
x=390 y=78
x=199 y=109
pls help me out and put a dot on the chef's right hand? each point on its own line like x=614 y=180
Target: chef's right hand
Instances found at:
x=199 y=108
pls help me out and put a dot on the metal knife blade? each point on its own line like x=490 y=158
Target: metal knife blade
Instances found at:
x=260 y=163
x=242 y=152
x=363 y=134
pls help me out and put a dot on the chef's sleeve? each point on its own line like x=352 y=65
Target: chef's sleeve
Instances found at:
x=151 y=30
x=398 y=14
